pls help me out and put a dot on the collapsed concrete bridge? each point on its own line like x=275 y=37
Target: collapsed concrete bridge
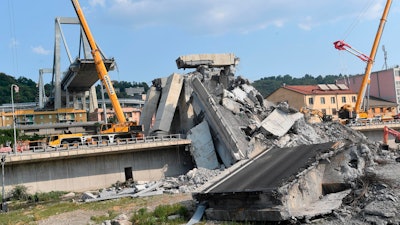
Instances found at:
x=228 y=121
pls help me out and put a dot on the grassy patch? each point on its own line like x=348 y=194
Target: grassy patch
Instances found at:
x=25 y=212
x=109 y=216
x=160 y=215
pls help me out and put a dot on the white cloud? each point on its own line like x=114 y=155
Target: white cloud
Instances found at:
x=236 y=16
x=307 y=24
x=40 y=50
x=101 y=3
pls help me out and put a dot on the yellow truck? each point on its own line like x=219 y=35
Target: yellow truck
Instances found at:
x=64 y=139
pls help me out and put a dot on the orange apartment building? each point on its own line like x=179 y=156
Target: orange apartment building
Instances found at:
x=30 y=116
x=327 y=98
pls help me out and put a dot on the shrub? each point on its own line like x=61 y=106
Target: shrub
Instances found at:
x=19 y=193
x=160 y=215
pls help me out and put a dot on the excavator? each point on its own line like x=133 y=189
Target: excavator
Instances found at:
x=346 y=111
x=122 y=128
x=386 y=131
x=315 y=115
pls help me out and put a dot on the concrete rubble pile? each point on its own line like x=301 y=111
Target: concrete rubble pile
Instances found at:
x=228 y=121
x=226 y=118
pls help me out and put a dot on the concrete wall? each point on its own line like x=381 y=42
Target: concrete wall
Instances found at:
x=294 y=99
x=382 y=83
x=95 y=172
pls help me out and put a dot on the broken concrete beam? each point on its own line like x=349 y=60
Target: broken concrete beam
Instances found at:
x=212 y=60
x=216 y=119
x=202 y=149
x=168 y=103
x=186 y=113
x=278 y=122
x=149 y=109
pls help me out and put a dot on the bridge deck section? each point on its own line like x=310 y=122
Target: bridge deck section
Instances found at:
x=82 y=74
x=73 y=151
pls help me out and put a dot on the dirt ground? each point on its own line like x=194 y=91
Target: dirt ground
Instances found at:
x=82 y=217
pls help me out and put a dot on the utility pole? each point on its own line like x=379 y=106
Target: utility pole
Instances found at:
x=385 y=57
x=3 y=202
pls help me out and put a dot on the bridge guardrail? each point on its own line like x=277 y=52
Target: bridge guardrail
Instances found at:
x=371 y=122
x=119 y=141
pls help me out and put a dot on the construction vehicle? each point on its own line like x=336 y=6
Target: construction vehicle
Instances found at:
x=315 y=115
x=386 y=131
x=67 y=139
x=359 y=112
x=123 y=128
x=63 y=139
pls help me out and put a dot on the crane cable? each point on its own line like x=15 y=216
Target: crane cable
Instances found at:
x=349 y=30
x=14 y=41
x=358 y=19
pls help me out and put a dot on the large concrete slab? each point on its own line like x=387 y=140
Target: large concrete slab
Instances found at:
x=278 y=122
x=254 y=191
x=202 y=149
x=168 y=103
x=212 y=60
x=82 y=75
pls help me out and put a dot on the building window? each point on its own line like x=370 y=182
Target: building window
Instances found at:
x=334 y=111
x=344 y=99
x=49 y=116
x=80 y=115
x=333 y=100
x=322 y=100
x=353 y=98
x=310 y=101
x=41 y=117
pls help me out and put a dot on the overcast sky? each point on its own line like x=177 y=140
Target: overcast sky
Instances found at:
x=271 y=37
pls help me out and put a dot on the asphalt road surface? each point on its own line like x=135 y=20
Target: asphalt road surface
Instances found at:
x=271 y=169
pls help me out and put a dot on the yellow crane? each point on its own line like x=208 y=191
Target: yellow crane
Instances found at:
x=123 y=126
x=341 y=45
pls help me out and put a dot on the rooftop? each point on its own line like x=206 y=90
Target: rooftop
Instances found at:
x=320 y=89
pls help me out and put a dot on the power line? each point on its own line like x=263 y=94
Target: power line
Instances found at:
x=14 y=41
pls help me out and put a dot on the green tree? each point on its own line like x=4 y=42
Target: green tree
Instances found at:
x=267 y=85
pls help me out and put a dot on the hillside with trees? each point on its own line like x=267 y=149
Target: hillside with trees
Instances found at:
x=28 y=91
x=267 y=85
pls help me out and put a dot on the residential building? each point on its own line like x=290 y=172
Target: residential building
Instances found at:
x=31 y=117
x=384 y=84
x=325 y=98
x=328 y=98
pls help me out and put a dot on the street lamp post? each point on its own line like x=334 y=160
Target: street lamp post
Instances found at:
x=16 y=89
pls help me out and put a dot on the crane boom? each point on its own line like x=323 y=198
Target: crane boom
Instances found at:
x=340 y=45
x=100 y=67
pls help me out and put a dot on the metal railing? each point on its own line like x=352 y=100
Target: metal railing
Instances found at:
x=98 y=144
x=371 y=122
